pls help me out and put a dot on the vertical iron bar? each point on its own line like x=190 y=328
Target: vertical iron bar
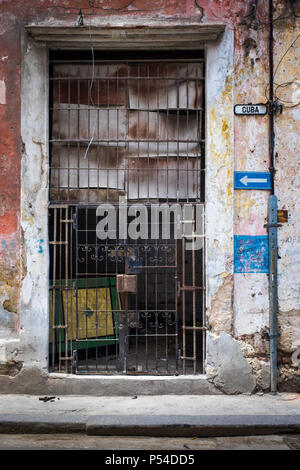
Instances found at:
x=194 y=293
x=67 y=292
x=176 y=304
x=77 y=275
x=60 y=287
x=54 y=332
x=183 y=295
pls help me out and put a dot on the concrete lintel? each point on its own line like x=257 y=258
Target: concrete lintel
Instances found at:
x=139 y=36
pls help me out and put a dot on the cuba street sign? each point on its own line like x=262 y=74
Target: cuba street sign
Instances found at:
x=252 y=180
x=250 y=109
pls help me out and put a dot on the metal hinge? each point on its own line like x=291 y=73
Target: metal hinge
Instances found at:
x=75 y=226
x=74 y=360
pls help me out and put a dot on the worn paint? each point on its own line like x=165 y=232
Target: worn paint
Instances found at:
x=251 y=254
x=238 y=73
x=2 y=92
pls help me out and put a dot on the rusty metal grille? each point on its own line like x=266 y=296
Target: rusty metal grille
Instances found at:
x=126 y=132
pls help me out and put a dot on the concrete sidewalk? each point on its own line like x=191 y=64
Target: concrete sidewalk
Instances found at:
x=166 y=415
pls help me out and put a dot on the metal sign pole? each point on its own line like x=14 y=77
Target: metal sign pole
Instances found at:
x=273 y=287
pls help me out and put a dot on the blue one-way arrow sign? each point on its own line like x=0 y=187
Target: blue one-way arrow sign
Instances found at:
x=252 y=180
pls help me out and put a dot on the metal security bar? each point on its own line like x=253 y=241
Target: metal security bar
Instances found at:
x=127 y=133
x=62 y=316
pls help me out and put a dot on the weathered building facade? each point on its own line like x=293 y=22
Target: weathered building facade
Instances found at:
x=132 y=102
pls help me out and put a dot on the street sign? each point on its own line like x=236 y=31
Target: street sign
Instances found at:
x=252 y=180
x=250 y=109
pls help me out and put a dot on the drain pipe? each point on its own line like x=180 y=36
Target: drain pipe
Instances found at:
x=272 y=224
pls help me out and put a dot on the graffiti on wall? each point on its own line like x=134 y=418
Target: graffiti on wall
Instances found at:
x=251 y=254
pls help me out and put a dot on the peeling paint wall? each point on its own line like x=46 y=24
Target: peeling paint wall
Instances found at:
x=287 y=179
x=237 y=72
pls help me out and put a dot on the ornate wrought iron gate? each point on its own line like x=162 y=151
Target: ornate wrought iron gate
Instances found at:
x=127 y=138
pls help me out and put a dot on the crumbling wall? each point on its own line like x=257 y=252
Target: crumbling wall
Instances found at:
x=245 y=315
x=10 y=240
x=237 y=72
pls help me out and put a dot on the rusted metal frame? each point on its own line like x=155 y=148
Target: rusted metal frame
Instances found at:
x=108 y=135
x=148 y=126
x=138 y=126
x=137 y=315
x=203 y=298
x=77 y=275
x=66 y=221
x=167 y=135
x=86 y=155
x=123 y=315
x=166 y=275
x=196 y=328
x=182 y=247
x=183 y=300
x=106 y=108
x=202 y=198
x=158 y=335
x=194 y=297
x=167 y=157
x=86 y=289
x=53 y=290
x=134 y=60
x=156 y=309
x=148 y=193
x=98 y=129
x=191 y=288
x=138 y=78
x=71 y=277
x=107 y=198
x=78 y=140
x=118 y=117
x=116 y=141
x=176 y=305
x=193 y=225
x=69 y=130
x=57 y=243
x=187 y=126
x=66 y=313
x=130 y=170
x=157 y=246
x=98 y=312
x=60 y=277
x=146 y=301
x=117 y=343
x=124 y=344
x=156 y=242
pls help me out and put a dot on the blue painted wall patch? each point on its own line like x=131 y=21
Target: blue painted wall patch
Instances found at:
x=251 y=254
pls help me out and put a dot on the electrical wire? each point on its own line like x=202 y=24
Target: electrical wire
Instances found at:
x=277 y=66
x=90 y=97
x=255 y=19
x=285 y=84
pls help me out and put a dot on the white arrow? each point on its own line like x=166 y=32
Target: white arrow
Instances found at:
x=245 y=180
